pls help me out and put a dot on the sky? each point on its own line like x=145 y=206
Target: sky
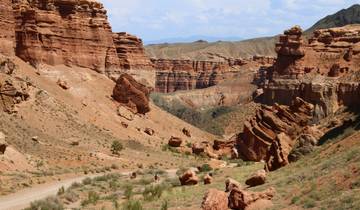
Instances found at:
x=163 y=19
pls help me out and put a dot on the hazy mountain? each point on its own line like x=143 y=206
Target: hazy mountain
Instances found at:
x=192 y=39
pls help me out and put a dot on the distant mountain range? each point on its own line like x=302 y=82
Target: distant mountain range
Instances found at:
x=193 y=39
x=261 y=46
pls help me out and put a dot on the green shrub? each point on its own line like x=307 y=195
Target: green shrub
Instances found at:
x=205 y=168
x=61 y=191
x=50 y=203
x=92 y=198
x=116 y=147
x=152 y=192
x=132 y=205
x=165 y=205
x=128 y=192
x=87 y=181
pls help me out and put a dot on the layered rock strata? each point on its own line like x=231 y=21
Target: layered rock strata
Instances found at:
x=7 y=28
x=271 y=134
x=324 y=71
x=74 y=33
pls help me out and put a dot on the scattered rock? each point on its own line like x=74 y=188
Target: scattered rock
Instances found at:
x=35 y=139
x=208 y=179
x=124 y=125
x=186 y=132
x=149 y=131
x=198 y=148
x=241 y=199
x=189 y=178
x=175 y=141
x=3 y=144
x=215 y=200
x=63 y=84
x=256 y=179
x=75 y=143
x=231 y=184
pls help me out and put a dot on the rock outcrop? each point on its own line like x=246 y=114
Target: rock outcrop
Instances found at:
x=215 y=200
x=3 y=144
x=132 y=94
x=273 y=131
x=13 y=90
x=324 y=71
x=74 y=33
x=7 y=28
x=131 y=52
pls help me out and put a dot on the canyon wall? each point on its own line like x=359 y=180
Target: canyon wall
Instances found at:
x=7 y=28
x=64 y=32
x=324 y=71
x=174 y=75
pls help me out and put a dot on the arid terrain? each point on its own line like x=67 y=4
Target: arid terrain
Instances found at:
x=92 y=119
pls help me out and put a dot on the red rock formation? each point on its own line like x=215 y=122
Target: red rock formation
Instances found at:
x=215 y=200
x=174 y=75
x=65 y=32
x=132 y=94
x=271 y=127
x=13 y=90
x=131 y=52
x=7 y=28
x=241 y=199
x=322 y=72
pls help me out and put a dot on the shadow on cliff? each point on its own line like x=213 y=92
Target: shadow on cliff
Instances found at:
x=348 y=127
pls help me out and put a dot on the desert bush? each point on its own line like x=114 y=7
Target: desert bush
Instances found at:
x=165 y=205
x=50 y=203
x=132 y=205
x=87 y=181
x=152 y=192
x=128 y=192
x=92 y=198
x=116 y=147
x=61 y=191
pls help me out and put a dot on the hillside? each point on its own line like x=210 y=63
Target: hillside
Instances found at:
x=205 y=50
x=343 y=17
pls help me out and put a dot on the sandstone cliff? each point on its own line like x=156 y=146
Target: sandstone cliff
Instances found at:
x=64 y=32
x=7 y=28
x=324 y=72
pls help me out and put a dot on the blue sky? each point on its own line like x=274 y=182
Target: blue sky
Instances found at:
x=161 y=19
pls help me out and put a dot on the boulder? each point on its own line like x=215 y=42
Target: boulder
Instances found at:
x=208 y=179
x=12 y=91
x=215 y=200
x=63 y=84
x=186 y=132
x=189 y=178
x=198 y=148
x=231 y=184
x=132 y=94
x=256 y=179
x=125 y=113
x=279 y=152
x=175 y=141
x=3 y=144
x=242 y=199
x=149 y=131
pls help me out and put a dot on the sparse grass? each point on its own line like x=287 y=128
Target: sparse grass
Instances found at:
x=50 y=203
x=132 y=205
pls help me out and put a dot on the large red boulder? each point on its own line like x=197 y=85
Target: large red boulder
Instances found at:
x=256 y=179
x=132 y=94
x=215 y=200
x=241 y=199
x=189 y=178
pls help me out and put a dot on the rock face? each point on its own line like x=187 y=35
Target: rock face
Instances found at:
x=241 y=199
x=13 y=90
x=273 y=131
x=7 y=28
x=131 y=52
x=189 y=178
x=324 y=72
x=174 y=75
x=3 y=144
x=132 y=94
x=215 y=200
x=64 y=32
